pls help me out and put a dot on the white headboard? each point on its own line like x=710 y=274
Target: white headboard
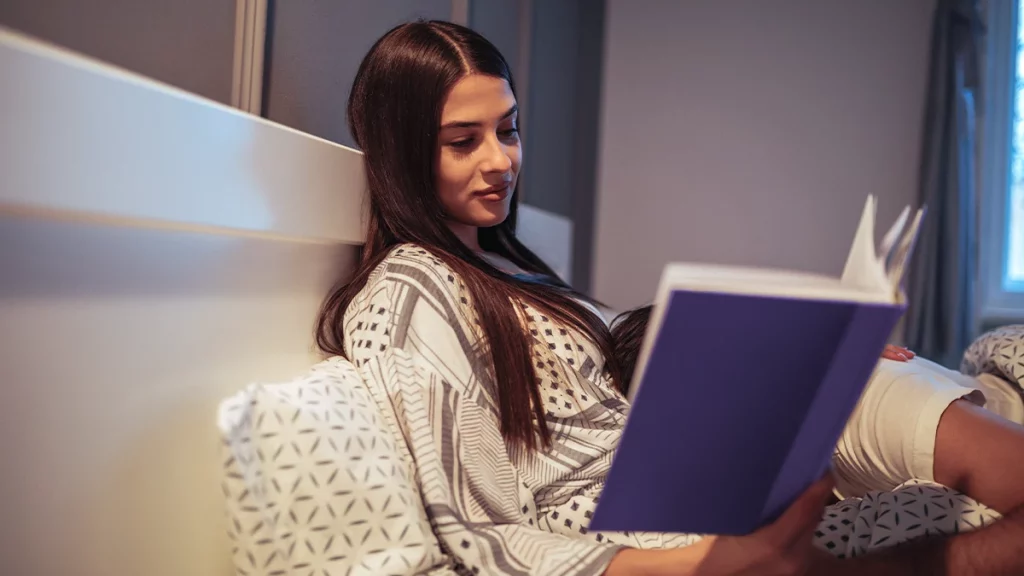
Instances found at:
x=158 y=251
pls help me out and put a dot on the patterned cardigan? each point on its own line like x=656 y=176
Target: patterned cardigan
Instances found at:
x=495 y=508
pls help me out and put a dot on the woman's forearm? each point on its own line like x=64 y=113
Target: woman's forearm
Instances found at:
x=671 y=562
x=782 y=547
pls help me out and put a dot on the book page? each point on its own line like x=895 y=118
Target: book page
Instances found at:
x=882 y=270
x=766 y=282
x=864 y=269
x=899 y=260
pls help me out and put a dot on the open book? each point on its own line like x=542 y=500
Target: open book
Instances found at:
x=744 y=383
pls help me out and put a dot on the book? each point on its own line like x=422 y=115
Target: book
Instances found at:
x=744 y=383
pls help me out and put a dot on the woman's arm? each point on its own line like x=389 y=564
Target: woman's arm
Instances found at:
x=409 y=334
x=675 y=562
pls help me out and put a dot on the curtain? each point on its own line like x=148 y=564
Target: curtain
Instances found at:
x=940 y=321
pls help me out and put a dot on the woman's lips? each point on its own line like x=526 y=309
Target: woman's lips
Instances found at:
x=493 y=194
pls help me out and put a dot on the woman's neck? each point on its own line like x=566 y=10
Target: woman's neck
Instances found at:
x=469 y=235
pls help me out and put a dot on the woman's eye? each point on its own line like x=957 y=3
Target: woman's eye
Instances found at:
x=461 y=143
x=510 y=132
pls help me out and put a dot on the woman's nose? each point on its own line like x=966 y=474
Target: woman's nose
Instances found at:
x=498 y=159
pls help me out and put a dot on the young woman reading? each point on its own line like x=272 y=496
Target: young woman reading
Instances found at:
x=502 y=376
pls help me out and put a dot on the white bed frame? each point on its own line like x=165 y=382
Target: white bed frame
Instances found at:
x=158 y=251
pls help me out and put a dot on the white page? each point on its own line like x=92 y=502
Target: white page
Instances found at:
x=766 y=282
x=896 y=265
x=892 y=237
x=865 y=270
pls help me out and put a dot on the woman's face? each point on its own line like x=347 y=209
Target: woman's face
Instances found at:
x=479 y=154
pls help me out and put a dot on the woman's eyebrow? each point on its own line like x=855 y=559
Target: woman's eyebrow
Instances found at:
x=466 y=124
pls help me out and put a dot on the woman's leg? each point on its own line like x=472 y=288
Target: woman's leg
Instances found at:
x=890 y=437
x=981 y=454
x=915 y=422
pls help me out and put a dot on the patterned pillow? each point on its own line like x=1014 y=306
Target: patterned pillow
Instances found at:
x=316 y=482
x=999 y=352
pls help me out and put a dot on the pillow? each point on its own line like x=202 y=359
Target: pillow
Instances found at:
x=999 y=352
x=317 y=481
x=996 y=360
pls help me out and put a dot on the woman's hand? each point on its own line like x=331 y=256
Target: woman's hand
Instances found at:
x=783 y=548
x=897 y=353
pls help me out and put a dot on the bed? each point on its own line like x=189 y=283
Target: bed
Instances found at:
x=158 y=251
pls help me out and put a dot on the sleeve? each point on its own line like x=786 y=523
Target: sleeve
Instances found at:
x=412 y=334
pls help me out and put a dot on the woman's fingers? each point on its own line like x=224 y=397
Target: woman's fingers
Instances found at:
x=784 y=547
x=897 y=353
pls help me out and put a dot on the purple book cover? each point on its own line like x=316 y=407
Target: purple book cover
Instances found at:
x=740 y=406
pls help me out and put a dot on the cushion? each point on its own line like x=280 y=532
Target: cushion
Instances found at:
x=999 y=352
x=317 y=481
x=996 y=360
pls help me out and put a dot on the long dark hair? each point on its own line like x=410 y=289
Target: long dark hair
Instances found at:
x=394 y=114
x=628 y=330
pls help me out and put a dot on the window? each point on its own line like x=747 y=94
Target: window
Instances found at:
x=1014 y=274
x=1001 y=242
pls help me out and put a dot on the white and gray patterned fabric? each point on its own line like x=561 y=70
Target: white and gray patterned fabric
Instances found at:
x=916 y=509
x=316 y=483
x=499 y=510
x=999 y=352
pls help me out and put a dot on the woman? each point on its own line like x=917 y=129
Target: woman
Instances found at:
x=501 y=375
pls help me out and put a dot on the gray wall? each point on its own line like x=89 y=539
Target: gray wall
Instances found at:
x=186 y=43
x=499 y=21
x=315 y=50
x=550 y=129
x=586 y=109
x=750 y=132
x=562 y=121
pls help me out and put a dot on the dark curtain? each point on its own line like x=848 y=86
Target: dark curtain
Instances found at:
x=940 y=320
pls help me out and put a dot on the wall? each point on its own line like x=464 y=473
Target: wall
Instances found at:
x=185 y=43
x=500 y=22
x=750 y=132
x=561 y=126
x=314 y=51
x=157 y=253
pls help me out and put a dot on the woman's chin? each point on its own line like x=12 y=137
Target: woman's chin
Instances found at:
x=487 y=216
